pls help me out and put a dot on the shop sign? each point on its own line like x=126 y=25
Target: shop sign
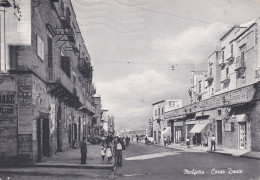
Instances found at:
x=7 y=101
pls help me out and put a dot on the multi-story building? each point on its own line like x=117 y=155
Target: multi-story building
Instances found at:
x=111 y=125
x=104 y=121
x=45 y=81
x=96 y=120
x=162 y=127
x=231 y=109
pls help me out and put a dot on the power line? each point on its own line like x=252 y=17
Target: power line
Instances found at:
x=182 y=17
x=145 y=63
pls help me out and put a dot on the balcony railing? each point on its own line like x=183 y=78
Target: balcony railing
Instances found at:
x=221 y=62
x=225 y=78
x=209 y=77
x=240 y=64
x=56 y=75
x=257 y=73
x=231 y=58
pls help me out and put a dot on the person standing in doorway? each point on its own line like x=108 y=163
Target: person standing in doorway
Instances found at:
x=188 y=142
x=213 y=142
x=83 y=151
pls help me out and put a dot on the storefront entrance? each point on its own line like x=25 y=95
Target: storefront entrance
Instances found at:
x=178 y=134
x=219 y=132
x=155 y=139
x=43 y=138
x=242 y=135
x=159 y=137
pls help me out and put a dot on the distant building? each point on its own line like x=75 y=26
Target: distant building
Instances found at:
x=162 y=127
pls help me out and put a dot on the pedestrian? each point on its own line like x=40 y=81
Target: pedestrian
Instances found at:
x=119 y=147
x=83 y=150
x=213 y=142
x=109 y=154
x=165 y=141
x=168 y=140
x=137 y=138
x=188 y=142
x=127 y=139
x=103 y=152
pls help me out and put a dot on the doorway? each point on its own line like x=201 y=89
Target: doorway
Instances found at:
x=45 y=138
x=242 y=135
x=219 y=132
x=70 y=134
x=39 y=138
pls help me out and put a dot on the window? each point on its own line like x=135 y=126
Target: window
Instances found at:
x=200 y=87
x=159 y=111
x=231 y=49
x=162 y=110
x=210 y=71
x=219 y=112
x=227 y=71
x=242 y=58
x=223 y=55
x=65 y=65
x=40 y=48
x=155 y=113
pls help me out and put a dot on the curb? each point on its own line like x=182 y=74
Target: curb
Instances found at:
x=39 y=173
x=74 y=166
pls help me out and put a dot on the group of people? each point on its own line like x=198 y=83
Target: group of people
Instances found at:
x=167 y=141
x=212 y=142
x=111 y=147
x=114 y=149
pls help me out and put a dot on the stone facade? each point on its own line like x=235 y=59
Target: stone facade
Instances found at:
x=46 y=88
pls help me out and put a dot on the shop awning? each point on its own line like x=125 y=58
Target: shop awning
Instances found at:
x=198 y=128
x=241 y=118
x=167 y=131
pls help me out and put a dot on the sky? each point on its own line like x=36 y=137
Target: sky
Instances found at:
x=133 y=45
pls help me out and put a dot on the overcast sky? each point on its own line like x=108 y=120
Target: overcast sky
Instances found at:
x=152 y=35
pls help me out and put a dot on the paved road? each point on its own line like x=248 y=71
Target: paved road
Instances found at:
x=143 y=162
x=148 y=162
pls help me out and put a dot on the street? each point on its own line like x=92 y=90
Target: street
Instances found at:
x=141 y=161
x=165 y=163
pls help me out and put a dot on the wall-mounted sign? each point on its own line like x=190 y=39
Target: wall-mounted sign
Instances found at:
x=7 y=104
x=25 y=120
x=172 y=104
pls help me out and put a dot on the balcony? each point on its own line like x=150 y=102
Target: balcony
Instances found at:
x=257 y=73
x=209 y=77
x=85 y=68
x=61 y=87
x=221 y=63
x=88 y=108
x=240 y=64
x=225 y=78
x=230 y=59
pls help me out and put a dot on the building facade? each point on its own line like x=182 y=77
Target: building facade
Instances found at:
x=161 y=127
x=231 y=108
x=46 y=103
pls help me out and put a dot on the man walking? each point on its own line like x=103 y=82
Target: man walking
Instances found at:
x=83 y=150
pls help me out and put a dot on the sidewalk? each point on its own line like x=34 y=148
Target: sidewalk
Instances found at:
x=71 y=159
x=232 y=152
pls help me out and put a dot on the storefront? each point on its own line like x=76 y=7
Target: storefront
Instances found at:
x=179 y=132
x=199 y=133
